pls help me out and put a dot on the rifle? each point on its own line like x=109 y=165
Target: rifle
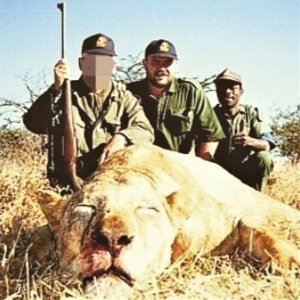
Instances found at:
x=62 y=143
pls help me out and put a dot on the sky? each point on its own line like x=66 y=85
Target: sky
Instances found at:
x=257 y=38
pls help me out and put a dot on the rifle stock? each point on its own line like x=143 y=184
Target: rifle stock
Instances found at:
x=69 y=141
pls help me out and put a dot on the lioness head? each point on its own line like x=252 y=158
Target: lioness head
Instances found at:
x=117 y=228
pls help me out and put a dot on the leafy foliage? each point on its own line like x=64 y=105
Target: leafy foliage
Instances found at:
x=286 y=128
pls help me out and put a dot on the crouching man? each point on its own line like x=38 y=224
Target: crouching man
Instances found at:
x=245 y=152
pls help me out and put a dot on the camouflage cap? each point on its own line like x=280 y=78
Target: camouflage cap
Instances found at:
x=98 y=44
x=229 y=75
x=162 y=48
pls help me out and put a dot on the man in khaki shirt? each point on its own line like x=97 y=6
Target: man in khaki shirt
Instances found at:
x=106 y=116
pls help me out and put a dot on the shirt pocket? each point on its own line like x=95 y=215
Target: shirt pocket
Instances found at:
x=179 y=121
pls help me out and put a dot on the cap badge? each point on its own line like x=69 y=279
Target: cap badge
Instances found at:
x=164 y=47
x=101 y=42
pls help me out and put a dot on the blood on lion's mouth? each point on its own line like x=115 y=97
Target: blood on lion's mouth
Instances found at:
x=116 y=272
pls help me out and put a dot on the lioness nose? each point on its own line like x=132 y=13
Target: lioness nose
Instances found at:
x=101 y=239
x=120 y=242
x=111 y=240
x=124 y=240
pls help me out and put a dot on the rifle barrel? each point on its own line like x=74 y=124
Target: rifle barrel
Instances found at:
x=61 y=7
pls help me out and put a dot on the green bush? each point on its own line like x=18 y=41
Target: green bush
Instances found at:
x=286 y=128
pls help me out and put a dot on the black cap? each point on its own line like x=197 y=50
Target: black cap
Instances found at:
x=98 y=44
x=162 y=48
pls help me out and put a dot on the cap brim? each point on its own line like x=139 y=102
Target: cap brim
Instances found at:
x=163 y=55
x=100 y=52
x=228 y=79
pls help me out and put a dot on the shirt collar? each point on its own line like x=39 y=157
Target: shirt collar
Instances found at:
x=172 y=88
x=84 y=89
x=242 y=109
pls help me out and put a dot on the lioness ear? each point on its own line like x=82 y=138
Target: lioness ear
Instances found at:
x=52 y=205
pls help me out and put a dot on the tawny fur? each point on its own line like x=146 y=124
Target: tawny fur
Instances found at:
x=166 y=204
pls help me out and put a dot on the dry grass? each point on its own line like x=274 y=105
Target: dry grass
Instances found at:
x=22 y=170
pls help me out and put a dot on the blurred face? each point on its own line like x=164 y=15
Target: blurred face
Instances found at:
x=229 y=93
x=97 y=70
x=160 y=70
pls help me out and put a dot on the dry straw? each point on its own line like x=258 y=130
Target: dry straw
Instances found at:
x=192 y=277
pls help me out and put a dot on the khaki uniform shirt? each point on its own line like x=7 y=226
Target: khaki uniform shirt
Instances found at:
x=96 y=118
x=248 y=120
x=182 y=117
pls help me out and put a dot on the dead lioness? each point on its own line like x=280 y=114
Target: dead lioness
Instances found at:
x=147 y=206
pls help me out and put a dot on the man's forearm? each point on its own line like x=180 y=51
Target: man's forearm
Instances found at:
x=259 y=144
